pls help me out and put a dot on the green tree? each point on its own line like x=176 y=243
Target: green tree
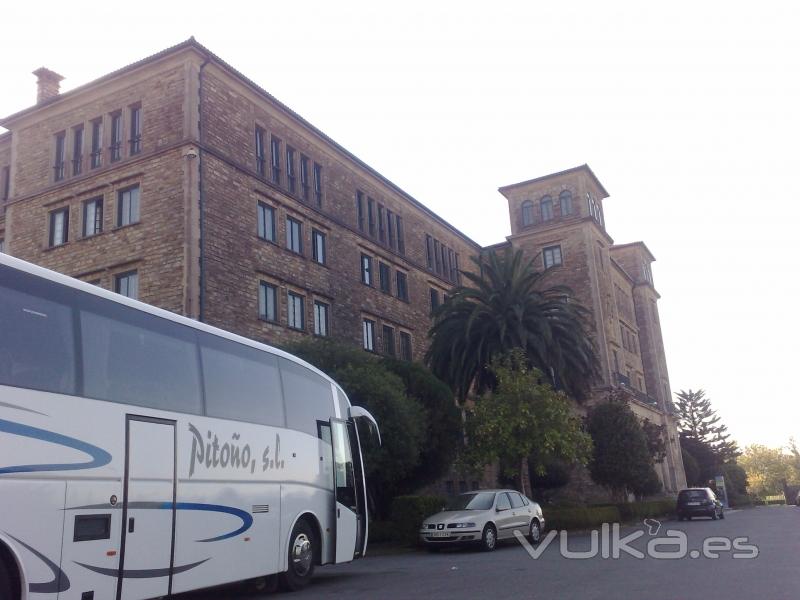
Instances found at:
x=506 y=306
x=794 y=451
x=523 y=419
x=656 y=444
x=622 y=459
x=767 y=469
x=700 y=422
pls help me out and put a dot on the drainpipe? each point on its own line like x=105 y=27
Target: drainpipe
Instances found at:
x=202 y=303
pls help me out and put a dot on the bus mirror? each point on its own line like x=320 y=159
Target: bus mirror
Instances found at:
x=357 y=412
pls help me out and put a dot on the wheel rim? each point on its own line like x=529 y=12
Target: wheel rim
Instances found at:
x=301 y=555
x=535 y=532
x=490 y=539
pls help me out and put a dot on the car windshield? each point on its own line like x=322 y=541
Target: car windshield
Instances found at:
x=472 y=501
x=693 y=495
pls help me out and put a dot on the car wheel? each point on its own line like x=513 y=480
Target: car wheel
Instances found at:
x=302 y=546
x=535 y=534
x=489 y=538
x=6 y=585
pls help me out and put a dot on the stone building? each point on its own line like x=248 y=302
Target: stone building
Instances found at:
x=181 y=182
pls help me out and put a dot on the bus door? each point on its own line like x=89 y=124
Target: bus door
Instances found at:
x=349 y=510
x=148 y=510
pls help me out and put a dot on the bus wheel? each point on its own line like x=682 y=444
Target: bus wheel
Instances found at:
x=8 y=586
x=301 y=557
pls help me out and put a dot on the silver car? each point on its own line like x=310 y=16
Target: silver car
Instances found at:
x=483 y=517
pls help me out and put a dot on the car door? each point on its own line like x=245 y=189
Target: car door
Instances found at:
x=504 y=519
x=520 y=512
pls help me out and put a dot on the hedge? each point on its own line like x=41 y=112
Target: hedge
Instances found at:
x=580 y=518
x=408 y=513
x=636 y=511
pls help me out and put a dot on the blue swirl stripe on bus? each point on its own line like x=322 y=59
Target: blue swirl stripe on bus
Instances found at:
x=247 y=518
x=99 y=456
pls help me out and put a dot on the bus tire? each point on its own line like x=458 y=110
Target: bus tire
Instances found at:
x=302 y=549
x=9 y=586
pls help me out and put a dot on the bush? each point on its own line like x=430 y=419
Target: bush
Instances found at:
x=587 y=517
x=636 y=511
x=381 y=531
x=408 y=513
x=738 y=500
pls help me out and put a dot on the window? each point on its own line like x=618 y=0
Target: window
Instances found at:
x=368 y=328
x=296 y=311
x=595 y=210
x=371 y=215
x=97 y=143
x=503 y=502
x=128 y=206
x=429 y=251
x=266 y=222
x=527 y=213
x=390 y=227
x=136 y=130
x=116 y=137
x=260 y=158
x=565 y=199
x=291 y=178
x=516 y=500
x=58 y=165
x=77 y=150
x=304 y=185
x=647 y=273
x=453 y=275
x=318 y=245
x=388 y=340
x=2 y=245
x=127 y=284
x=6 y=183
x=458 y=271
x=59 y=227
x=360 y=210
x=437 y=256
x=434 y=299
x=381 y=229
x=294 y=235
x=552 y=256
x=321 y=310
x=405 y=345
x=307 y=397
x=267 y=302
x=318 y=184
x=275 y=146
x=366 y=269
x=385 y=276
x=92 y=217
x=401 y=243
x=546 y=208
x=402 y=286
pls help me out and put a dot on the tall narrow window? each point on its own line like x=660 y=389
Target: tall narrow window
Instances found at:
x=97 y=143
x=371 y=215
x=275 y=145
x=390 y=228
x=127 y=284
x=552 y=256
x=385 y=276
x=381 y=228
x=77 y=150
x=294 y=235
x=546 y=208
x=318 y=184
x=318 y=243
x=267 y=301
x=261 y=160
x=429 y=248
x=445 y=262
x=360 y=210
x=368 y=331
x=321 y=310
x=266 y=222
x=452 y=262
x=128 y=206
x=115 y=149
x=565 y=199
x=296 y=314
x=136 y=130
x=434 y=299
x=437 y=256
x=92 y=217
x=6 y=183
x=401 y=243
x=366 y=269
x=388 y=341
x=527 y=213
x=59 y=227
x=58 y=164
x=402 y=286
x=405 y=345
x=304 y=181
x=291 y=178
x=2 y=245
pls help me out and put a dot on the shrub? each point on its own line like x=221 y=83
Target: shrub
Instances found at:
x=587 y=517
x=737 y=500
x=636 y=511
x=381 y=531
x=408 y=512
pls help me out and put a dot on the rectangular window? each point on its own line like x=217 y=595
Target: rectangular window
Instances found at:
x=294 y=235
x=384 y=274
x=321 y=310
x=429 y=251
x=360 y=210
x=291 y=178
x=136 y=130
x=318 y=244
x=304 y=185
x=275 y=145
x=552 y=256
x=296 y=311
x=92 y=217
x=59 y=227
x=402 y=286
x=390 y=228
x=261 y=160
x=368 y=332
x=445 y=262
x=381 y=228
x=401 y=243
x=116 y=137
x=77 y=150
x=437 y=256
x=366 y=269
x=371 y=215
x=388 y=341
x=6 y=183
x=2 y=245
x=405 y=345
x=97 y=143
x=318 y=184
x=267 y=301
x=128 y=206
x=58 y=164
x=434 y=299
x=452 y=262
x=127 y=284
x=458 y=271
x=266 y=222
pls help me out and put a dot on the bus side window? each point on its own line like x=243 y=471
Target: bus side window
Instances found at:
x=308 y=397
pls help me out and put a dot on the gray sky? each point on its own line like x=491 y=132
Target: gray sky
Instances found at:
x=686 y=111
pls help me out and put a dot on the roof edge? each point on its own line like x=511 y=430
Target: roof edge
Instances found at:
x=583 y=167
x=631 y=244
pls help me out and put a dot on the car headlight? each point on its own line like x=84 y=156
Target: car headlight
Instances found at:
x=460 y=525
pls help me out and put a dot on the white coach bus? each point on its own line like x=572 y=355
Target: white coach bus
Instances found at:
x=144 y=454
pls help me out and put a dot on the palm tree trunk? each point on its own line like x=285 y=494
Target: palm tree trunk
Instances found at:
x=524 y=477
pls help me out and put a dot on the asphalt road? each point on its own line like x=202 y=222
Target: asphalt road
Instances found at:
x=509 y=572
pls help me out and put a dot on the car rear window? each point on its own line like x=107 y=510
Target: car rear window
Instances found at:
x=693 y=495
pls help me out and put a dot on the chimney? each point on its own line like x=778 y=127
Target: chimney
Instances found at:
x=47 y=84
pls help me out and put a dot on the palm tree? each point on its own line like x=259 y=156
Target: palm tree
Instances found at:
x=507 y=306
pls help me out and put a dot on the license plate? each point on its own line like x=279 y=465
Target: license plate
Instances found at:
x=439 y=534
x=692 y=504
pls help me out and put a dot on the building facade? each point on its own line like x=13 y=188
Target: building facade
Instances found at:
x=179 y=181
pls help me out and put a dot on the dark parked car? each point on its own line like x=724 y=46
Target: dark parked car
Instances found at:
x=699 y=502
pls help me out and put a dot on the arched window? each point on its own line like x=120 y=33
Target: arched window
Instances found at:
x=546 y=206
x=527 y=213
x=565 y=198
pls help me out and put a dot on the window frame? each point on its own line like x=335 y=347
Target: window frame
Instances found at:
x=385 y=277
x=389 y=347
x=527 y=213
x=64 y=229
x=368 y=334
x=97 y=221
x=130 y=212
x=77 y=150
x=366 y=270
x=319 y=308
x=265 y=288
x=263 y=209
x=261 y=159
x=318 y=183
x=565 y=200
x=135 y=141
x=115 y=147
x=318 y=236
x=291 y=225
x=96 y=155
x=291 y=310
x=401 y=290
x=291 y=176
x=305 y=186
x=275 y=160
x=60 y=156
x=551 y=249
x=406 y=348
x=127 y=275
x=546 y=208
